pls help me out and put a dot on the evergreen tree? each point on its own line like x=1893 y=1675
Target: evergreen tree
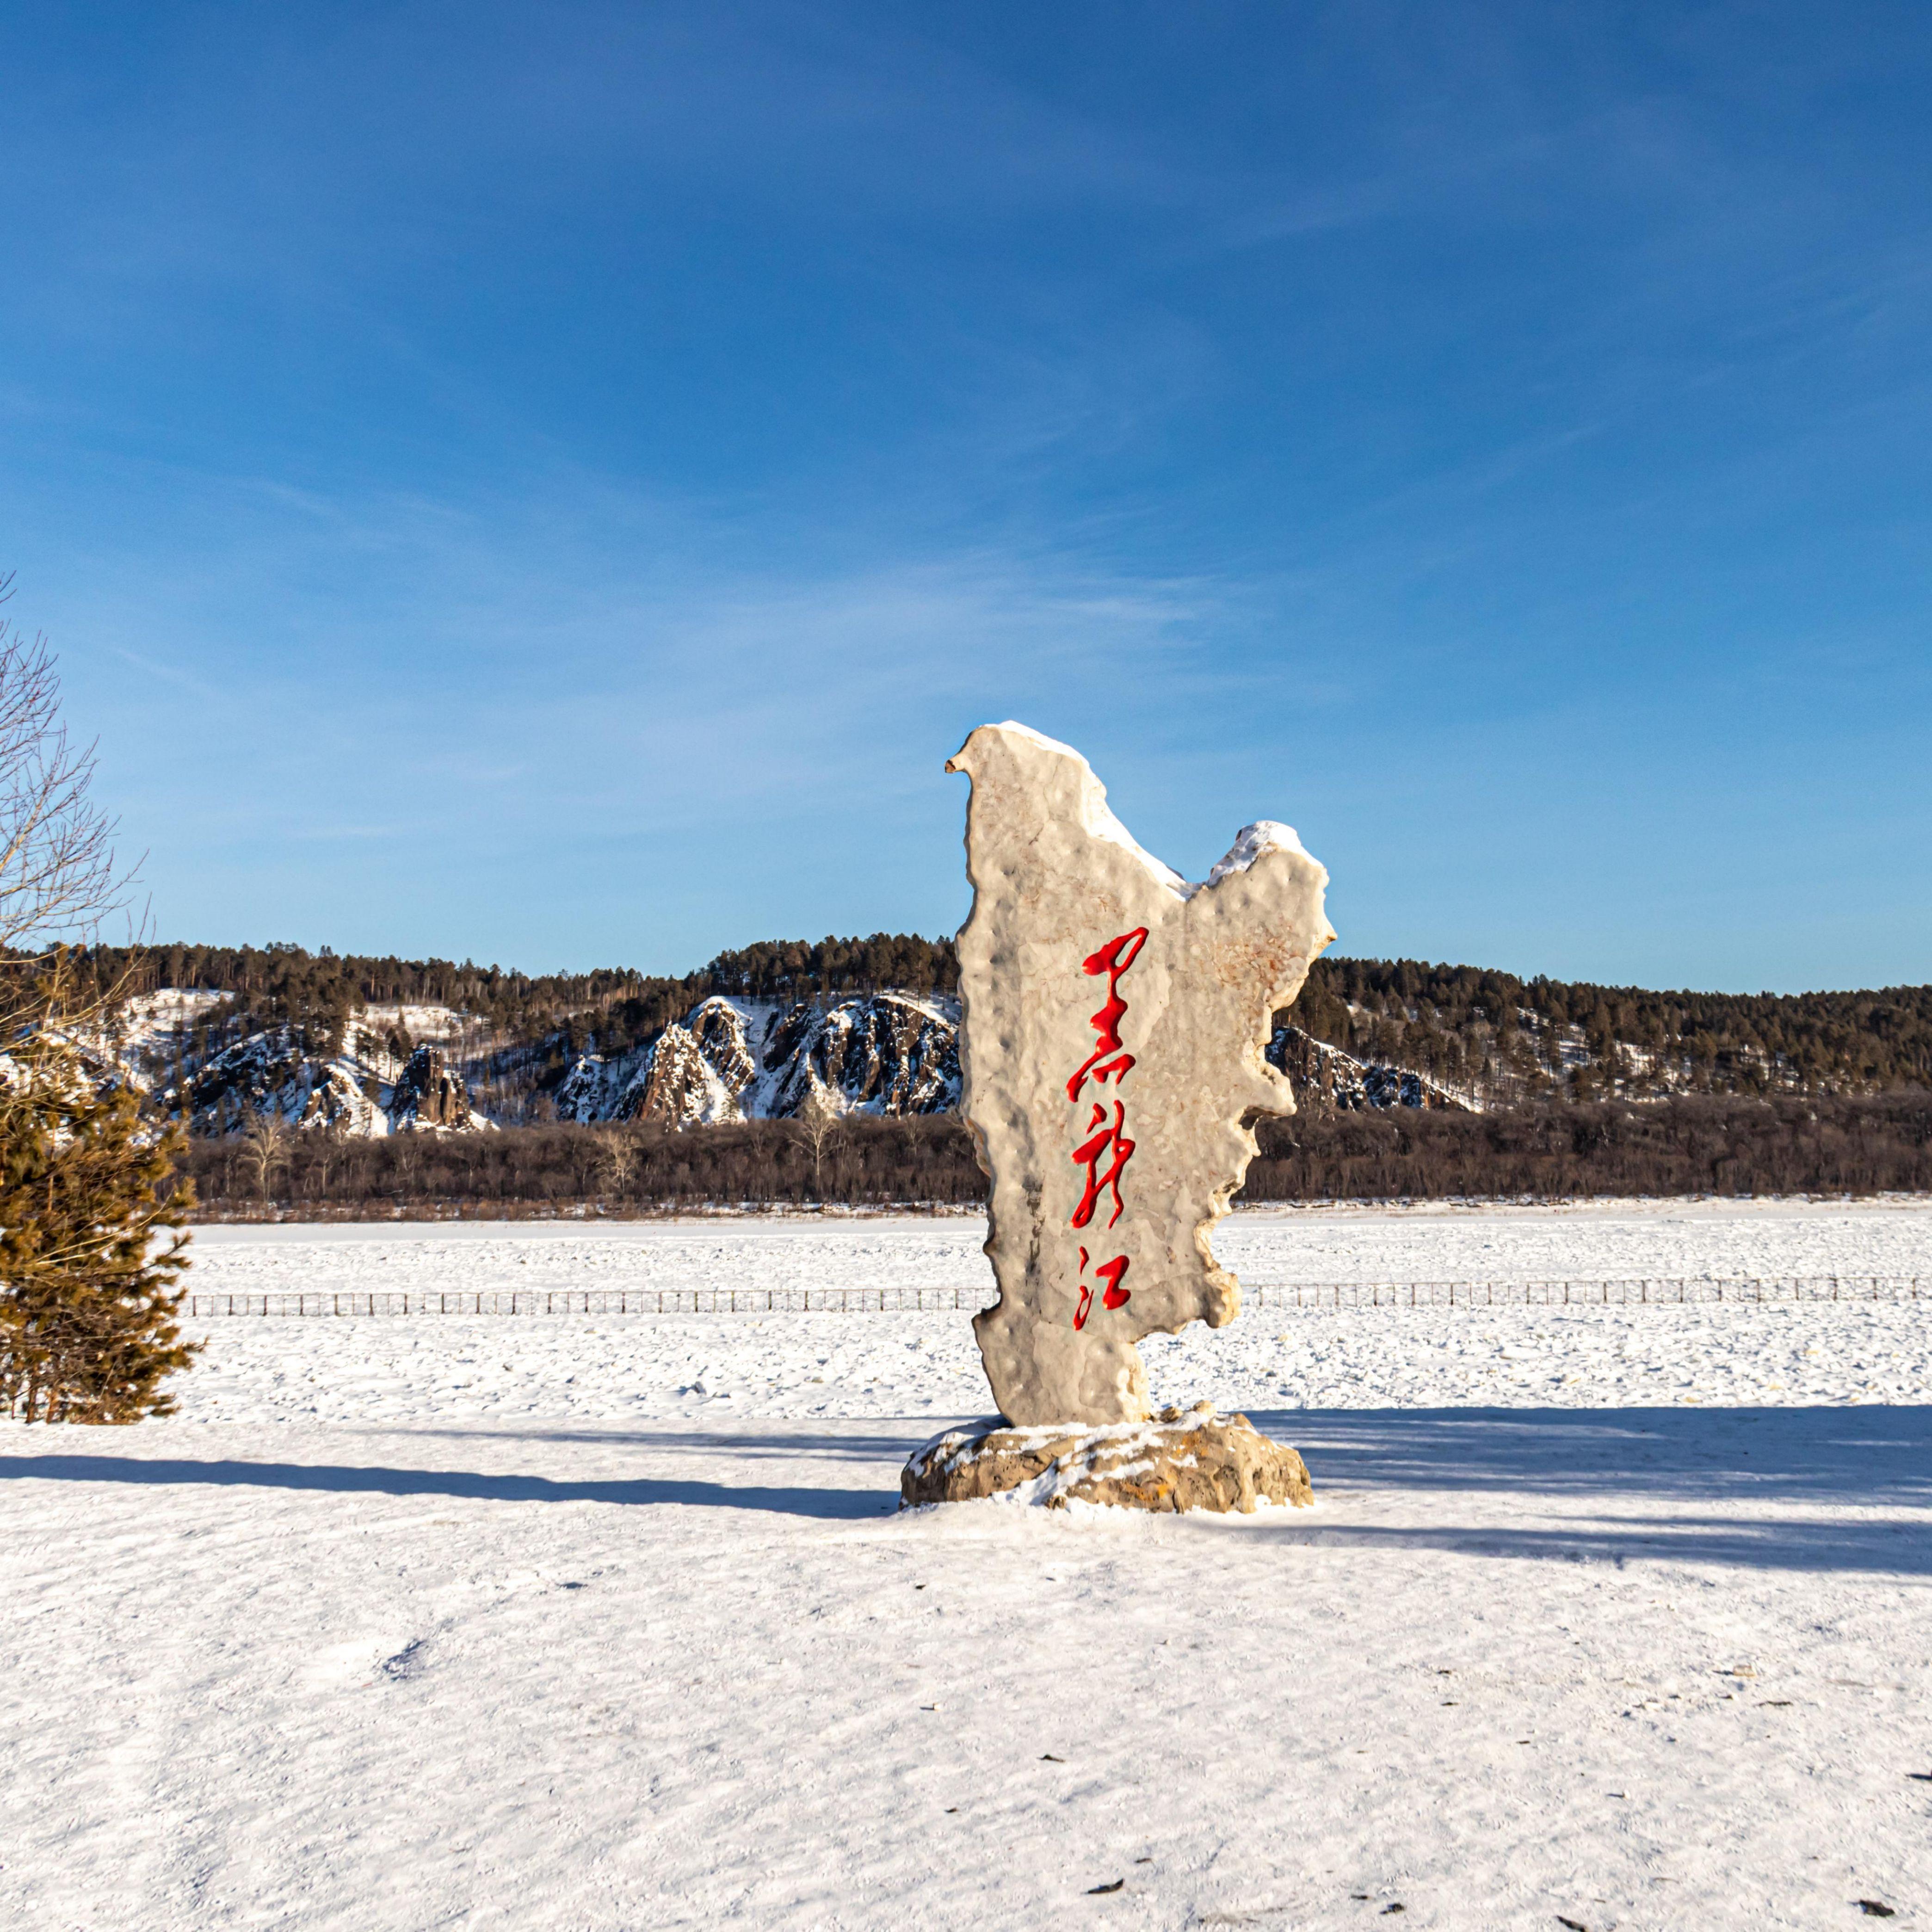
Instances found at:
x=87 y=1292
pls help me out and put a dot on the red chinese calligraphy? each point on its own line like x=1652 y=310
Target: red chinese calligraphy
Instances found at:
x=1115 y=1296
x=1093 y=1151
x=1106 y=1140
x=1113 y=959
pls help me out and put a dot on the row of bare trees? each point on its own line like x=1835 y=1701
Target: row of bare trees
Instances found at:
x=620 y=1168
x=1695 y=1145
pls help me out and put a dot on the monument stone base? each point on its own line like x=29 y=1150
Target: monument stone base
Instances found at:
x=1183 y=1459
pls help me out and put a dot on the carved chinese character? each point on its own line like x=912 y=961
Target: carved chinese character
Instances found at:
x=1115 y=1296
x=1113 y=959
x=1109 y=1140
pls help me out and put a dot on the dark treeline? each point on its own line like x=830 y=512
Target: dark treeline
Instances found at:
x=862 y=1161
x=902 y=962
x=1691 y=1144
x=297 y=982
x=1694 y=1144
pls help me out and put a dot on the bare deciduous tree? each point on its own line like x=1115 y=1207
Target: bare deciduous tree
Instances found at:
x=616 y=1160
x=59 y=880
x=816 y=1122
x=584 y=1161
x=265 y=1148
x=402 y=1156
x=328 y=1144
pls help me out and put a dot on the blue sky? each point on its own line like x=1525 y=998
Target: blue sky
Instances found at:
x=553 y=483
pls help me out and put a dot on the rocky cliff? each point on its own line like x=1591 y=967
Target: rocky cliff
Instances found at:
x=275 y=1072
x=730 y=1057
x=428 y=1093
x=733 y=1059
x=1327 y=1080
x=272 y=1072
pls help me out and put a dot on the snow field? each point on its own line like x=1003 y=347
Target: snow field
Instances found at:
x=1640 y=1669
x=402 y=1369
x=586 y=1624
x=1614 y=1240
x=399 y=1370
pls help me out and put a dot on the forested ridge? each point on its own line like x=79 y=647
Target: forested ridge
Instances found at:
x=1585 y=1089
x=1504 y=1039
x=1499 y=1039
x=617 y=1008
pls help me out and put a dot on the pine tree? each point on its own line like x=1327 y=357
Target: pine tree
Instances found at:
x=88 y=1293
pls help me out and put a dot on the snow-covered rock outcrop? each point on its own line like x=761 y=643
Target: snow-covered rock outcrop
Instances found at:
x=346 y=1079
x=890 y=1054
x=1325 y=1077
x=429 y=1093
x=731 y=1059
x=271 y=1073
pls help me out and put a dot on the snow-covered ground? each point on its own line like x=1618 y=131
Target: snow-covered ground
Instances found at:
x=1613 y=1617
x=1616 y=1240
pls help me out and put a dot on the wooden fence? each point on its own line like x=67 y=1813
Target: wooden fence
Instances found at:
x=1257 y=1296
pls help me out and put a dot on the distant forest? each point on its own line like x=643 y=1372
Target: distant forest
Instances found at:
x=1584 y=1089
x=1686 y=1145
x=1499 y=1039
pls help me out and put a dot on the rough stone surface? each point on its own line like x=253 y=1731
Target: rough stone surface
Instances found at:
x=1115 y=1021
x=1182 y=1460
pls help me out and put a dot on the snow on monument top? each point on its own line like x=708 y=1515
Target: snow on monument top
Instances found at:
x=1115 y=1018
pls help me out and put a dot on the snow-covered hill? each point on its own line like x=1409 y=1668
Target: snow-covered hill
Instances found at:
x=426 y=1068
x=270 y=1073
x=159 y=1043
x=733 y=1059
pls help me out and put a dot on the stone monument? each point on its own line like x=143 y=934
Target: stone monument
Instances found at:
x=1115 y=1020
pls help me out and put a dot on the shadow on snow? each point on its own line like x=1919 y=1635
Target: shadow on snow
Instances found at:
x=804 y=1500
x=1866 y=1455
x=1723 y=1478
x=1735 y=1473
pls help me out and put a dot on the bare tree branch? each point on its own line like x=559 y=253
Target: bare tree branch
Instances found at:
x=813 y=1125
x=60 y=881
x=265 y=1148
